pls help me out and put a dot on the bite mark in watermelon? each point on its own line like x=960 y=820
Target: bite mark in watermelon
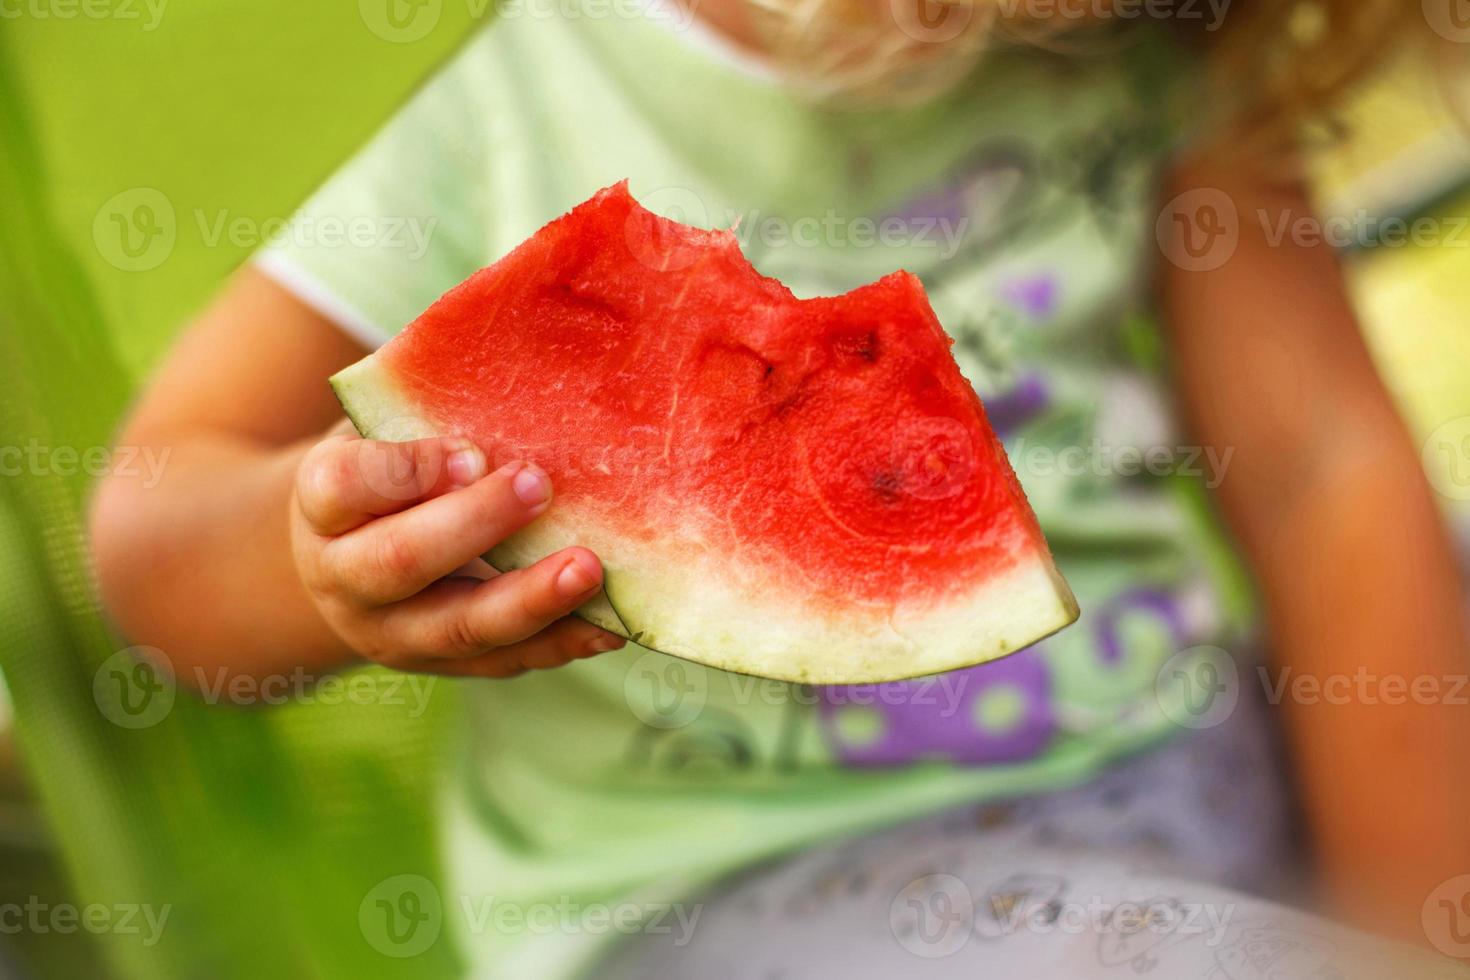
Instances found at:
x=799 y=489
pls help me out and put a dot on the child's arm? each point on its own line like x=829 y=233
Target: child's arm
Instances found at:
x=265 y=547
x=1326 y=495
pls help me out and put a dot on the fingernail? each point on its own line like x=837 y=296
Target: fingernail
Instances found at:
x=605 y=643
x=575 y=578
x=531 y=485
x=466 y=465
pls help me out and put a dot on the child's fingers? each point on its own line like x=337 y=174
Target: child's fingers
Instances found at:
x=344 y=481
x=401 y=554
x=461 y=618
x=559 y=644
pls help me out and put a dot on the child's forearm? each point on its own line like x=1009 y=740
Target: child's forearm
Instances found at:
x=262 y=548
x=1326 y=495
x=1367 y=664
x=1370 y=664
x=199 y=565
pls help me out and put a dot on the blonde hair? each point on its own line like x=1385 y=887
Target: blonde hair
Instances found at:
x=1278 y=64
x=1269 y=65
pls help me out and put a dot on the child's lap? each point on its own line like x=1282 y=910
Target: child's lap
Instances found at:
x=1040 y=882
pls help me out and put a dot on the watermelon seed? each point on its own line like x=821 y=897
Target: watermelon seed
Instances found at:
x=863 y=345
x=887 y=484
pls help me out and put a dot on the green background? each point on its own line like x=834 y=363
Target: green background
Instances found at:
x=262 y=830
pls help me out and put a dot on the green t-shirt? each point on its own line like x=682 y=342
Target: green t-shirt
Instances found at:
x=596 y=792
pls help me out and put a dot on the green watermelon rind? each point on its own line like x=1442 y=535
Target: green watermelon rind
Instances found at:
x=378 y=411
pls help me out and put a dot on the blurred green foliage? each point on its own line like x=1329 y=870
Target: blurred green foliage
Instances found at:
x=262 y=831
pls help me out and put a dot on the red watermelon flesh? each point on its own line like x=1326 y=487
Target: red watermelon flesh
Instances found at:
x=801 y=489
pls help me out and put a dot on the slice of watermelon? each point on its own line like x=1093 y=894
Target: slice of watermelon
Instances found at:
x=799 y=489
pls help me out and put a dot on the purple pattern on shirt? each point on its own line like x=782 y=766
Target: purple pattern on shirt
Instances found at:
x=1156 y=601
x=940 y=717
x=1035 y=296
x=1010 y=410
x=947 y=204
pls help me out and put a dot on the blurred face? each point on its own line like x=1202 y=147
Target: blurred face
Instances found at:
x=886 y=51
x=857 y=50
x=928 y=21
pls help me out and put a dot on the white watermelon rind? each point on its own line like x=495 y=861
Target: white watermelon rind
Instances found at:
x=736 y=633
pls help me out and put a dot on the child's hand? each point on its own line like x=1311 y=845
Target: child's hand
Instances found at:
x=387 y=538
